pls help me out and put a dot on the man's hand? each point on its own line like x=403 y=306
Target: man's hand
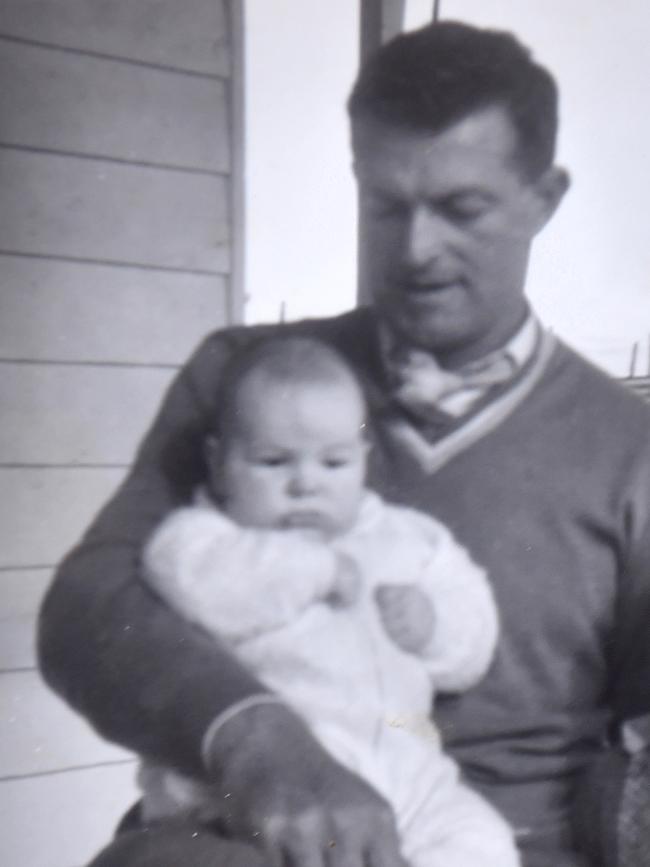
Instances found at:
x=284 y=793
x=407 y=615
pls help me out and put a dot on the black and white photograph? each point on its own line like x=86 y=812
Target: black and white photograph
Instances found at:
x=325 y=433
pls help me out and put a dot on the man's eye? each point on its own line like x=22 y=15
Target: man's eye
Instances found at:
x=384 y=208
x=466 y=208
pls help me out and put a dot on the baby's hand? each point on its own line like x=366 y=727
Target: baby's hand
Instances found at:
x=407 y=615
x=347 y=583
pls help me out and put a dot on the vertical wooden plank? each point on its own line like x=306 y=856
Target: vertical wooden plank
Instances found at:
x=236 y=293
x=380 y=21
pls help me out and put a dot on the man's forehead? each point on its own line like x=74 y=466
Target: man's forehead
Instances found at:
x=487 y=129
x=476 y=144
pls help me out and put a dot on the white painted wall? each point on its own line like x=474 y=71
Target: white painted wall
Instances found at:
x=300 y=201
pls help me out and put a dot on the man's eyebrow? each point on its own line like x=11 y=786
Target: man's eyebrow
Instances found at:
x=465 y=196
x=467 y=192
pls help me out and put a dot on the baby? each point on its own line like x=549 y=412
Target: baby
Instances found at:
x=353 y=611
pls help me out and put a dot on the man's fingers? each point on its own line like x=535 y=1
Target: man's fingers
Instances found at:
x=345 y=849
x=271 y=839
x=300 y=853
x=382 y=847
x=355 y=834
x=384 y=851
x=273 y=853
x=296 y=842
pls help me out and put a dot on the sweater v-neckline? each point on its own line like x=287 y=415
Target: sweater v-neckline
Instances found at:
x=494 y=408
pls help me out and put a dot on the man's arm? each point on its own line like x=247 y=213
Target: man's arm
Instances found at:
x=151 y=681
x=605 y=820
x=135 y=669
x=630 y=648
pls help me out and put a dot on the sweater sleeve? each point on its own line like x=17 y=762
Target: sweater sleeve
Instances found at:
x=630 y=659
x=236 y=582
x=140 y=673
x=465 y=614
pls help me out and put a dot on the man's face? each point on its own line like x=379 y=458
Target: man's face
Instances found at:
x=450 y=221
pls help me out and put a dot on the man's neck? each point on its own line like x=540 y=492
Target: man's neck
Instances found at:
x=457 y=357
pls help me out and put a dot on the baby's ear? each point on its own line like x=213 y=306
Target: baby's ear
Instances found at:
x=366 y=437
x=213 y=457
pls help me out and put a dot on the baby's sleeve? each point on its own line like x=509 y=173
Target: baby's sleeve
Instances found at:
x=235 y=582
x=466 y=622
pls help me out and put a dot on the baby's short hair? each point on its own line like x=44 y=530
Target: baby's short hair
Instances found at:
x=285 y=359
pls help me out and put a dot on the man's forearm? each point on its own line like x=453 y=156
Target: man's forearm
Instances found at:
x=141 y=675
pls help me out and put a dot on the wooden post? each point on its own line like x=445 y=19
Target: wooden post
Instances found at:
x=380 y=21
x=237 y=282
x=635 y=350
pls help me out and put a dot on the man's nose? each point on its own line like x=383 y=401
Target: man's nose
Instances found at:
x=303 y=480
x=426 y=238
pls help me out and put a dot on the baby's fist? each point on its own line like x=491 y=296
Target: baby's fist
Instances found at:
x=407 y=615
x=347 y=583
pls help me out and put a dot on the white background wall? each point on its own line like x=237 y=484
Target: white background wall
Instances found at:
x=590 y=274
x=300 y=206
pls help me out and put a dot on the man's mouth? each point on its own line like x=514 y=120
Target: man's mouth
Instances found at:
x=426 y=287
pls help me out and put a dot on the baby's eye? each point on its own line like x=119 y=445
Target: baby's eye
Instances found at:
x=271 y=461
x=335 y=463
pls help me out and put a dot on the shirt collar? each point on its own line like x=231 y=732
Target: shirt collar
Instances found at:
x=519 y=348
x=421 y=384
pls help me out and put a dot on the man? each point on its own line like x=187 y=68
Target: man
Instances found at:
x=539 y=464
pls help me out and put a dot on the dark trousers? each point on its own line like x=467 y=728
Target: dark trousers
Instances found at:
x=171 y=844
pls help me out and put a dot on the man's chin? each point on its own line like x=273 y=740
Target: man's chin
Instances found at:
x=430 y=333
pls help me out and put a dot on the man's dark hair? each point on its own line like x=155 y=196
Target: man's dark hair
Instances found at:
x=428 y=79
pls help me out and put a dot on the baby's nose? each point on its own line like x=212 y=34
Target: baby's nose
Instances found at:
x=303 y=481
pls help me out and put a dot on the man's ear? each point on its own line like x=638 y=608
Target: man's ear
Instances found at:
x=549 y=190
x=212 y=449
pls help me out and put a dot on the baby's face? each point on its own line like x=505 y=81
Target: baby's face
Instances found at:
x=297 y=457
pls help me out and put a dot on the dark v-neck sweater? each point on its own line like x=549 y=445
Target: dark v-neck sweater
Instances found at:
x=554 y=502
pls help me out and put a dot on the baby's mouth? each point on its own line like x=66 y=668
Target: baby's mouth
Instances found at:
x=308 y=519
